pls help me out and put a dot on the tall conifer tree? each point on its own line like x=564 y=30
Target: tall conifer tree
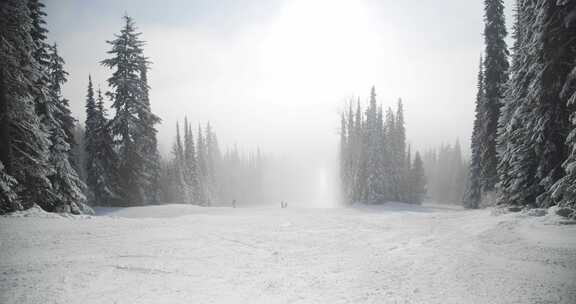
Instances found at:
x=495 y=77
x=67 y=188
x=474 y=189
x=417 y=181
x=132 y=126
x=23 y=142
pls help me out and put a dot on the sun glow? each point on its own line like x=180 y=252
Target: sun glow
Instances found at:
x=316 y=44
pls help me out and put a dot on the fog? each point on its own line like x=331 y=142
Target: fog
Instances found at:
x=275 y=74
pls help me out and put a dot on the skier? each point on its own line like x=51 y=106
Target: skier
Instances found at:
x=233 y=203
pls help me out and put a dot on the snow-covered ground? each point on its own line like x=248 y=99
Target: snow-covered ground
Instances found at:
x=186 y=254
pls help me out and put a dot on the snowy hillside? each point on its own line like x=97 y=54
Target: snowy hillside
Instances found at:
x=184 y=254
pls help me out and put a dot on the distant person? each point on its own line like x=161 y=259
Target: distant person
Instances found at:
x=233 y=203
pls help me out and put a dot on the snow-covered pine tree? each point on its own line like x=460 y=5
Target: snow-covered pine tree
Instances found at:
x=538 y=122
x=90 y=142
x=66 y=193
x=344 y=158
x=550 y=130
x=564 y=190
x=201 y=157
x=538 y=126
x=373 y=166
x=360 y=156
x=495 y=77
x=351 y=152
x=400 y=152
x=180 y=188
x=106 y=157
x=100 y=154
x=513 y=146
x=517 y=175
x=408 y=168
x=57 y=76
x=23 y=142
x=417 y=180
x=191 y=168
x=458 y=174
x=213 y=161
x=382 y=155
x=67 y=188
x=473 y=193
x=148 y=142
x=392 y=185
x=132 y=126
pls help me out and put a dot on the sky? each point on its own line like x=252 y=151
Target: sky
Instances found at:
x=275 y=74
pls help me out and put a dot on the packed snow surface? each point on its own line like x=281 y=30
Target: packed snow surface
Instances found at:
x=185 y=254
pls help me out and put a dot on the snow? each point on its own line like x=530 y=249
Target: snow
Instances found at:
x=395 y=253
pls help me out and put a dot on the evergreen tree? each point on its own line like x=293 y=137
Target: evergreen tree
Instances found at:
x=564 y=190
x=551 y=128
x=132 y=126
x=400 y=152
x=344 y=158
x=148 y=142
x=23 y=142
x=538 y=126
x=356 y=155
x=495 y=78
x=417 y=180
x=90 y=142
x=407 y=169
x=191 y=168
x=373 y=165
x=392 y=182
x=57 y=77
x=100 y=154
x=38 y=32
x=511 y=132
x=518 y=184
x=201 y=159
x=67 y=188
x=474 y=189
x=212 y=157
x=180 y=188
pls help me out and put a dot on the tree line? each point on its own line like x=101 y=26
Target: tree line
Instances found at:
x=376 y=164
x=200 y=174
x=524 y=137
x=48 y=158
x=446 y=173
x=38 y=138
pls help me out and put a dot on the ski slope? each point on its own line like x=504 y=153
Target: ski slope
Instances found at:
x=185 y=254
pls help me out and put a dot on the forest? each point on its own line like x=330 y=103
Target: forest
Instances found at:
x=522 y=147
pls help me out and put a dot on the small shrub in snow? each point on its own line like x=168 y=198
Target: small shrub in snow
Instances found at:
x=566 y=212
x=536 y=212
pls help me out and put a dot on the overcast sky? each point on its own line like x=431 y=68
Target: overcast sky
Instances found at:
x=275 y=73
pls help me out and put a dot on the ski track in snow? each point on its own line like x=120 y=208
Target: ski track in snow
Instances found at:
x=187 y=254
